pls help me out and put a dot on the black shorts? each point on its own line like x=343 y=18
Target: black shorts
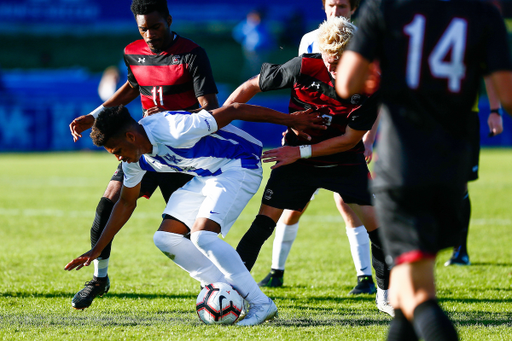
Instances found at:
x=291 y=186
x=168 y=182
x=416 y=223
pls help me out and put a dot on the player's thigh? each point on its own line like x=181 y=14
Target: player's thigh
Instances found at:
x=418 y=222
x=350 y=182
x=219 y=198
x=289 y=187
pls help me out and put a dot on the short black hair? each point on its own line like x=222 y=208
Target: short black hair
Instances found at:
x=142 y=7
x=111 y=123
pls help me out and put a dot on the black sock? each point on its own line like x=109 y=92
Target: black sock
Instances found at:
x=401 y=329
x=103 y=211
x=277 y=273
x=382 y=271
x=250 y=245
x=431 y=323
x=466 y=216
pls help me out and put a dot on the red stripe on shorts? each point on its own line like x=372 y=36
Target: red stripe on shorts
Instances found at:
x=413 y=256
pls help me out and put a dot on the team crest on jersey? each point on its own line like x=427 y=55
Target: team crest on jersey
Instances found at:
x=268 y=194
x=355 y=99
x=315 y=85
x=176 y=59
x=171 y=158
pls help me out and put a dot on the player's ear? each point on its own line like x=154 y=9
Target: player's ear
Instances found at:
x=130 y=136
x=169 y=20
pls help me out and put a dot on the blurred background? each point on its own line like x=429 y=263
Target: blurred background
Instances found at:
x=55 y=52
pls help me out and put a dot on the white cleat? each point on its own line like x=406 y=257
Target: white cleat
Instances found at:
x=383 y=302
x=244 y=311
x=259 y=313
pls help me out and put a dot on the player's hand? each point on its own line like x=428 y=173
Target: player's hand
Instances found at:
x=368 y=152
x=79 y=125
x=495 y=122
x=282 y=156
x=307 y=119
x=153 y=110
x=83 y=260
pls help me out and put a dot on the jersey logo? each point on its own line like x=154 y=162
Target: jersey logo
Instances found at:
x=208 y=124
x=268 y=194
x=315 y=85
x=171 y=158
x=142 y=60
x=176 y=59
x=355 y=99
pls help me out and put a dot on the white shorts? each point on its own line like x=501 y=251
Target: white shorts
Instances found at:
x=220 y=198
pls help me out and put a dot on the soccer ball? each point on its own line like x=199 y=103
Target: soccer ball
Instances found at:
x=219 y=303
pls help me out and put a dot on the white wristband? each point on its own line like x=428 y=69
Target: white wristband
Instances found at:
x=305 y=151
x=96 y=111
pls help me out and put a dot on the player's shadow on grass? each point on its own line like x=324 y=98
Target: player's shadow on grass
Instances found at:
x=13 y=294
x=490 y=264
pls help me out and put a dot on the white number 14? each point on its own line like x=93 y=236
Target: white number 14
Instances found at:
x=453 y=39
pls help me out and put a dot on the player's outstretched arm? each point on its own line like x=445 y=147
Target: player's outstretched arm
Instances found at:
x=300 y=120
x=502 y=82
x=122 y=211
x=123 y=95
x=245 y=92
x=288 y=154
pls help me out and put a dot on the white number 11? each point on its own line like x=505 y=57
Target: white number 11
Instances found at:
x=160 y=93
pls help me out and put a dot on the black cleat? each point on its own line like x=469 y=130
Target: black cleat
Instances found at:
x=273 y=280
x=364 y=286
x=458 y=258
x=97 y=287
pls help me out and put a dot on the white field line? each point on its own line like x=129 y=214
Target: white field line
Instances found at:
x=31 y=212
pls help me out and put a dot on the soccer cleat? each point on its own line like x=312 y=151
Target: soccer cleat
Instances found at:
x=364 y=286
x=274 y=279
x=383 y=303
x=259 y=313
x=244 y=311
x=83 y=299
x=458 y=258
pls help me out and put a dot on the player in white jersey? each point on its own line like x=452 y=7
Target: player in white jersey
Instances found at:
x=226 y=163
x=288 y=224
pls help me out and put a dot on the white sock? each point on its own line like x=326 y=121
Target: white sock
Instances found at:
x=182 y=252
x=229 y=262
x=100 y=267
x=283 y=241
x=360 y=249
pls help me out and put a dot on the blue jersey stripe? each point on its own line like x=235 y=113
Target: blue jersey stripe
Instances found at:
x=229 y=146
x=145 y=165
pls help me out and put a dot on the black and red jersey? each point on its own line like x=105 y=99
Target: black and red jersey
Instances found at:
x=313 y=87
x=433 y=55
x=172 y=79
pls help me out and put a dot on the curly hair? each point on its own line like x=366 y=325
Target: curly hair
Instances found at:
x=111 y=123
x=353 y=4
x=143 y=7
x=334 y=35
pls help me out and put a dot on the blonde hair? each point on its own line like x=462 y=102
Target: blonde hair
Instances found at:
x=334 y=35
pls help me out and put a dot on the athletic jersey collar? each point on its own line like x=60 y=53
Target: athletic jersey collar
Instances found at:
x=150 y=137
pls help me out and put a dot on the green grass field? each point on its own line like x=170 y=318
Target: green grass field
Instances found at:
x=47 y=206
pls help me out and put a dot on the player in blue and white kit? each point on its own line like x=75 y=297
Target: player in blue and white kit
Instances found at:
x=226 y=164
